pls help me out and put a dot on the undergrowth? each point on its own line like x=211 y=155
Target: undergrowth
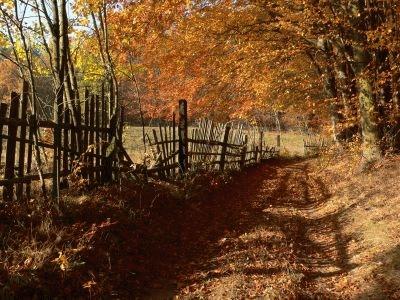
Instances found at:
x=213 y=235
x=77 y=247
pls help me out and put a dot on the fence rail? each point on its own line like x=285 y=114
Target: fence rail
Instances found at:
x=31 y=145
x=206 y=145
x=313 y=145
x=91 y=146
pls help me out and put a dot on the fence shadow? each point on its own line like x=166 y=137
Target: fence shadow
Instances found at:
x=254 y=200
x=183 y=242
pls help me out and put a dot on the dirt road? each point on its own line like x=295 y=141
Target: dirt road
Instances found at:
x=263 y=234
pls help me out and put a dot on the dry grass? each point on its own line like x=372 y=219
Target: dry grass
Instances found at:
x=329 y=231
x=291 y=142
x=369 y=208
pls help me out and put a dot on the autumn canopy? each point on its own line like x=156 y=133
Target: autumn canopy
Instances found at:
x=336 y=61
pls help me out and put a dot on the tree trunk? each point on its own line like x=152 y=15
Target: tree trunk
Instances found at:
x=362 y=21
x=369 y=119
x=330 y=87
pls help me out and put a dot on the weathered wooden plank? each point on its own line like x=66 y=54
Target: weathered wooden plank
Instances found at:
x=168 y=158
x=103 y=134
x=29 y=160
x=243 y=153
x=22 y=134
x=91 y=135
x=158 y=156
x=108 y=170
x=111 y=106
x=183 y=136
x=8 y=190
x=85 y=142
x=213 y=143
x=191 y=147
x=86 y=120
x=65 y=144
x=48 y=124
x=97 y=137
x=201 y=153
x=103 y=142
x=163 y=147
x=3 y=113
x=174 y=141
x=223 y=148
x=75 y=135
x=161 y=169
x=29 y=178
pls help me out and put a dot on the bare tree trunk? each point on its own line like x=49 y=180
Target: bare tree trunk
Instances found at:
x=60 y=53
x=100 y=25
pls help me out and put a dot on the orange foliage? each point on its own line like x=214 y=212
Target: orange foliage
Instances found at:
x=229 y=60
x=9 y=79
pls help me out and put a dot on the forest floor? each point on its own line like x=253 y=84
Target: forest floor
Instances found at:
x=297 y=228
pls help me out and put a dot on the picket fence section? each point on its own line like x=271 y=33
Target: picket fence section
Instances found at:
x=31 y=145
x=314 y=145
x=90 y=147
x=177 y=149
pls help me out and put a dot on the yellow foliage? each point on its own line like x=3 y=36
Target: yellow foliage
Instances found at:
x=62 y=261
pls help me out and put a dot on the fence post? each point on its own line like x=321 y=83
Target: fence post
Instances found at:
x=159 y=157
x=110 y=151
x=243 y=154
x=74 y=135
x=21 y=158
x=103 y=135
x=11 y=148
x=278 y=140
x=65 y=148
x=56 y=162
x=30 y=150
x=57 y=114
x=223 y=149
x=256 y=155
x=3 y=114
x=163 y=150
x=85 y=134
x=91 y=138
x=97 y=148
x=183 y=136
x=174 y=142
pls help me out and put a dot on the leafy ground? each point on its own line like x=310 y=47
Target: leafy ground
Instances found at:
x=302 y=228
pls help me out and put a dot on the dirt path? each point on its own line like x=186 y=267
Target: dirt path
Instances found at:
x=264 y=234
x=271 y=232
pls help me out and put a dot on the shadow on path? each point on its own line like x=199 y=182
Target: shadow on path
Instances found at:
x=265 y=222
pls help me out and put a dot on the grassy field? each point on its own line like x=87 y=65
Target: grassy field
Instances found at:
x=291 y=142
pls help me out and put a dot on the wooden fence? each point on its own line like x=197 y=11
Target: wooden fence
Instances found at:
x=313 y=145
x=177 y=149
x=31 y=146
x=91 y=146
